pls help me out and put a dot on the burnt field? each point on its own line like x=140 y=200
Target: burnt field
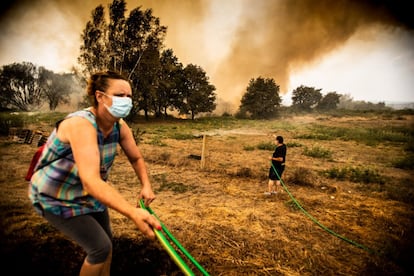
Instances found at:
x=347 y=208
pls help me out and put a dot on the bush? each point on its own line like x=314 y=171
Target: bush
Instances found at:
x=248 y=148
x=302 y=177
x=293 y=144
x=266 y=146
x=244 y=172
x=336 y=173
x=8 y=121
x=318 y=152
x=405 y=163
x=355 y=174
x=364 y=175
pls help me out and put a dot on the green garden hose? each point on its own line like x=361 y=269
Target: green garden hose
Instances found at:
x=316 y=221
x=170 y=250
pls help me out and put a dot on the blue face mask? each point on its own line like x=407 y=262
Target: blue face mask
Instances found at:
x=121 y=106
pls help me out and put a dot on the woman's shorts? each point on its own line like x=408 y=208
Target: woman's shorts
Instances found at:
x=276 y=176
x=91 y=231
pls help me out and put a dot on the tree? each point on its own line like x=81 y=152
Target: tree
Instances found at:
x=20 y=86
x=116 y=35
x=305 y=98
x=148 y=81
x=261 y=99
x=24 y=86
x=94 y=54
x=56 y=88
x=347 y=102
x=129 y=45
x=329 y=102
x=167 y=94
x=197 y=93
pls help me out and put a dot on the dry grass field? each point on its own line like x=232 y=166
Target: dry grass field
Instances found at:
x=346 y=209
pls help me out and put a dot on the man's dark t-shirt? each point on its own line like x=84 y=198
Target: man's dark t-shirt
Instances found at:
x=280 y=151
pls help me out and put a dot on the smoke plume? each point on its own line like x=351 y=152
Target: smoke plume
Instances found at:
x=270 y=38
x=233 y=40
x=275 y=37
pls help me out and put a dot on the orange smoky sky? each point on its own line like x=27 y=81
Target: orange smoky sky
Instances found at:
x=233 y=40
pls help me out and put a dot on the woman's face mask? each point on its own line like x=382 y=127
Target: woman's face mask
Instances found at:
x=121 y=106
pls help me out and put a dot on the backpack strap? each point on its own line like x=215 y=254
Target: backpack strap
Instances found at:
x=33 y=162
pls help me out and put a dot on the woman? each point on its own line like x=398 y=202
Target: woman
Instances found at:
x=69 y=187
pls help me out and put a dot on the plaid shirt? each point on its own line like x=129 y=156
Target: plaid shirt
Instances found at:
x=56 y=187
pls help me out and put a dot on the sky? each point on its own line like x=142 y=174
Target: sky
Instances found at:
x=361 y=48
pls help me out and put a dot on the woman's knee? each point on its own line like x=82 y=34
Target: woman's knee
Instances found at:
x=100 y=254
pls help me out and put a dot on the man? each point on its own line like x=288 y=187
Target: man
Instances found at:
x=278 y=166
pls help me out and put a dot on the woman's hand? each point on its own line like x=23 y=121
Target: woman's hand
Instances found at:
x=145 y=222
x=147 y=195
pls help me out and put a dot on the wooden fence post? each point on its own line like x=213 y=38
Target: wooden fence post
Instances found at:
x=203 y=153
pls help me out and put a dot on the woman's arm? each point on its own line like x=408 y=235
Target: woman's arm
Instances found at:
x=136 y=159
x=87 y=158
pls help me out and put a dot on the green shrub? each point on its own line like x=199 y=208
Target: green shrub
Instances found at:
x=336 y=173
x=405 y=163
x=314 y=136
x=266 y=146
x=403 y=191
x=8 y=121
x=355 y=174
x=317 y=152
x=248 y=148
x=293 y=144
x=409 y=146
x=369 y=136
x=364 y=175
x=24 y=119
